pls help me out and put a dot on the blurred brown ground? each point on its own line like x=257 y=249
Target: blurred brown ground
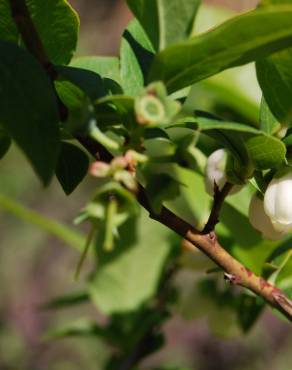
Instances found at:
x=102 y=26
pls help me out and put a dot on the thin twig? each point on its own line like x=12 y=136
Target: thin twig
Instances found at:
x=219 y=197
x=207 y=243
x=85 y=251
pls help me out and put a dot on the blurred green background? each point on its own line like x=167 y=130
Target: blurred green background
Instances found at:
x=36 y=266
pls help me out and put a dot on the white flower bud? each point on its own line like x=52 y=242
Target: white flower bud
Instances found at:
x=215 y=172
x=260 y=221
x=278 y=202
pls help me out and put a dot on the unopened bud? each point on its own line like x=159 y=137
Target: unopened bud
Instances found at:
x=99 y=169
x=215 y=172
x=118 y=163
x=260 y=221
x=278 y=202
x=133 y=156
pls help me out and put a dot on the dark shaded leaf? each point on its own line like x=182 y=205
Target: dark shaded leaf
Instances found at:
x=72 y=167
x=5 y=142
x=160 y=188
x=107 y=68
x=67 y=300
x=249 y=310
x=56 y=22
x=8 y=30
x=89 y=82
x=78 y=328
x=28 y=109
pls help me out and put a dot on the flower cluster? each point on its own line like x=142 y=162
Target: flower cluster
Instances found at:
x=122 y=168
x=272 y=215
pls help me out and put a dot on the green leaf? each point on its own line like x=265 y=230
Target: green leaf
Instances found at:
x=8 y=30
x=123 y=104
x=125 y=279
x=268 y=122
x=249 y=310
x=78 y=328
x=205 y=124
x=66 y=234
x=236 y=89
x=72 y=167
x=238 y=41
x=5 y=142
x=165 y=21
x=161 y=187
x=135 y=57
x=275 y=78
x=89 y=82
x=288 y=140
x=78 y=106
x=266 y=152
x=283 y=277
x=254 y=256
x=238 y=224
x=70 y=94
x=107 y=67
x=67 y=300
x=28 y=109
x=57 y=25
x=193 y=203
x=227 y=134
x=270 y=2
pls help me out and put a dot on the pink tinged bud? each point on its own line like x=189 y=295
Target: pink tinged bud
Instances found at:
x=278 y=202
x=260 y=221
x=119 y=163
x=99 y=169
x=134 y=157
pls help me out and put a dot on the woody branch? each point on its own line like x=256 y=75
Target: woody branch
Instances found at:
x=205 y=241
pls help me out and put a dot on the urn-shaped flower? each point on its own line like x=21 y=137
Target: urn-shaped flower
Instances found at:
x=278 y=202
x=215 y=172
x=260 y=221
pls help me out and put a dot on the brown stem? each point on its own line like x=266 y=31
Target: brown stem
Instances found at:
x=29 y=34
x=207 y=243
x=219 y=197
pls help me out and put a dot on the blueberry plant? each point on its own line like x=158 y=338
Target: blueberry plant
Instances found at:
x=176 y=177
